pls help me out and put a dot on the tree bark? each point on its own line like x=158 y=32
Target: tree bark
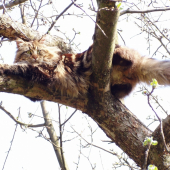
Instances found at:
x=11 y=29
x=117 y=122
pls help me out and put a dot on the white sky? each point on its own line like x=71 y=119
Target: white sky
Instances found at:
x=32 y=152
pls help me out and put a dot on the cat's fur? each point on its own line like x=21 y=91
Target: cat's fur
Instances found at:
x=70 y=73
x=67 y=72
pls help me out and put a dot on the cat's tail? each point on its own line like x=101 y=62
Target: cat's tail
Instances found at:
x=153 y=69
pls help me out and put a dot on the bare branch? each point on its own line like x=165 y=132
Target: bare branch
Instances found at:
x=17 y=121
x=52 y=25
x=160 y=120
x=92 y=18
x=11 y=143
x=53 y=136
x=156 y=100
x=13 y=3
x=69 y=118
x=21 y=6
x=36 y=11
x=61 y=139
x=143 y=11
x=89 y=143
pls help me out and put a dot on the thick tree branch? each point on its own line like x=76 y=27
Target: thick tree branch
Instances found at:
x=11 y=29
x=158 y=152
x=104 y=44
x=10 y=82
x=115 y=119
x=102 y=106
x=13 y=3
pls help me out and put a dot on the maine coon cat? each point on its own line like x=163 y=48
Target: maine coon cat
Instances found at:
x=67 y=72
x=70 y=73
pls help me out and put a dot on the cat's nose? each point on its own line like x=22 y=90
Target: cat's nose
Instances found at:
x=34 y=56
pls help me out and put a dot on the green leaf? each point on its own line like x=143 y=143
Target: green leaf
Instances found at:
x=154 y=142
x=119 y=4
x=152 y=167
x=154 y=83
x=149 y=140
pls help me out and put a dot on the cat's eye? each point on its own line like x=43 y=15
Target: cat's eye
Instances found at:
x=38 y=51
x=28 y=52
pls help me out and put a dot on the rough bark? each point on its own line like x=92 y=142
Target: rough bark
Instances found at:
x=11 y=82
x=115 y=119
x=11 y=29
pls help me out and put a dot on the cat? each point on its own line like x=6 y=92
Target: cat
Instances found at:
x=70 y=73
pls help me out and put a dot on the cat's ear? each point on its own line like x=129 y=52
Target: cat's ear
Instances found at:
x=19 y=42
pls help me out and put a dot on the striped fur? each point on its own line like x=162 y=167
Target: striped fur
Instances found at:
x=70 y=73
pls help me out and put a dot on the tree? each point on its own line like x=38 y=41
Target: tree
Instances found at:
x=118 y=123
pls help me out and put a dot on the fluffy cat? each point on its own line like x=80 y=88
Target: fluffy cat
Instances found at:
x=70 y=73
x=67 y=72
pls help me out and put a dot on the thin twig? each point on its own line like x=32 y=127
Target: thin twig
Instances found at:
x=156 y=100
x=93 y=5
x=3 y=2
x=43 y=136
x=61 y=135
x=52 y=25
x=91 y=19
x=18 y=122
x=11 y=142
x=93 y=144
x=69 y=118
x=160 y=120
x=78 y=161
x=156 y=50
x=142 y=11
x=113 y=153
x=43 y=117
x=36 y=13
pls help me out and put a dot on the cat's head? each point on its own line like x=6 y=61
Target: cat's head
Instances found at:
x=35 y=52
